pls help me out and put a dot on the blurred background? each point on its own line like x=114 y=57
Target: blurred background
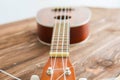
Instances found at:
x=15 y=10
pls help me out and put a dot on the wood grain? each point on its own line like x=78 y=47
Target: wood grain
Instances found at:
x=22 y=55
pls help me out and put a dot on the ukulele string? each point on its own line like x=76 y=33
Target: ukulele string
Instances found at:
x=59 y=27
x=63 y=43
x=68 y=31
x=54 y=31
x=68 y=34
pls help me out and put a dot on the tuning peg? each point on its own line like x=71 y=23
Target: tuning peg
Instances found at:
x=50 y=71
x=34 y=77
x=67 y=71
x=83 y=79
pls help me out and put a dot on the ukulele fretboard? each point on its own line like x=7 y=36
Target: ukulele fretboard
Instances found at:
x=60 y=40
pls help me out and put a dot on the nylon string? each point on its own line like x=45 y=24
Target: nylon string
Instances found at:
x=59 y=27
x=63 y=35
x=54 y=31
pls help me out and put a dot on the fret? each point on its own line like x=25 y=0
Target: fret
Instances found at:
x=59 y=45
x=60 y=41
x=65 y=48
x=66 y=39
x=61 y=33
x=59 y=50
x=60 y=38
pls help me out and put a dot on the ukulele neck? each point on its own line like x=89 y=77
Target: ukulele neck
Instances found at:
x=60 y=40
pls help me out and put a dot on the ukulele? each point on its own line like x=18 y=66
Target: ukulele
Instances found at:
x=60 y=27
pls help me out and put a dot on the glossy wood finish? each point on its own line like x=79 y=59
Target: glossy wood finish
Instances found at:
x=79 y=23
x=58 y=73
x=22 y=55
x=77 y=34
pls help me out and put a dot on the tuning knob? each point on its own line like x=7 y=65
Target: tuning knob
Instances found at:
x=67 y=71
x=34 y=77
x=50 y=71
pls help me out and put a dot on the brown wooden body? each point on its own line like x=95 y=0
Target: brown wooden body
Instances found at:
x=77 y=34
x=79 y=27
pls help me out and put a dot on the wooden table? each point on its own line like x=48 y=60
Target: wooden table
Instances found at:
x=22 y=55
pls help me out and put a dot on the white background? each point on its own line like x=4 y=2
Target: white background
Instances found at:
x=14 y=10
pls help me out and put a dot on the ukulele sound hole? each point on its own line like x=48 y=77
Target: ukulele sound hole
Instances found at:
x=62 y=17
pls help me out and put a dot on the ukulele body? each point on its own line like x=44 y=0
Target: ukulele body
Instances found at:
x=79 y=24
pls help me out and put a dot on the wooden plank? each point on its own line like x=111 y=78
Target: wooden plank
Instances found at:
x=22 y=55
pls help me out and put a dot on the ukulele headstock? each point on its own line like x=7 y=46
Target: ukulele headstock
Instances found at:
x=58 y=69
